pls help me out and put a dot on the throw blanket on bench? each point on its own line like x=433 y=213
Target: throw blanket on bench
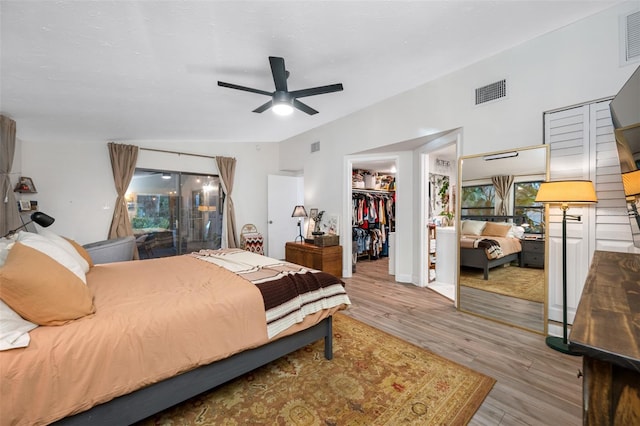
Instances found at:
x=491 y=247
x=290 y=292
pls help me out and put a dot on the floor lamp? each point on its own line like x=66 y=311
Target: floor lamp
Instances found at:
x=299 y=212
x=631 y=184
x=565 y=193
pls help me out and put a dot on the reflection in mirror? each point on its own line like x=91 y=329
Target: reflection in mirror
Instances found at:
x=502 y=237
x=625 y=112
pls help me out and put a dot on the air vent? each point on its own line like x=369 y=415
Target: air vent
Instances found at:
x=631 y=34
x=491 y=92
x=315 y=147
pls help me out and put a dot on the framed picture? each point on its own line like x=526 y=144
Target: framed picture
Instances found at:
x=313 y=213
x=330 y=225
x=25 y=205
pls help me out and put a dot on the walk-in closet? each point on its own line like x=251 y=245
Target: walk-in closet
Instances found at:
x=373 y=218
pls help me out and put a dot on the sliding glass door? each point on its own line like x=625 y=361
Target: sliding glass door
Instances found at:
x=174 y=212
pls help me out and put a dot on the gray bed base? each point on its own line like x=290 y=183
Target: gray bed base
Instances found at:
x=152 y=399
x=477 y=258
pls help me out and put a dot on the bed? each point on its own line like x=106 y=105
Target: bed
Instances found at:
x=487 y=242
x=160 y=331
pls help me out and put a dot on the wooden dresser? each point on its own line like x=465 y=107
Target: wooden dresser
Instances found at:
x=606 y=331
x=327 y=259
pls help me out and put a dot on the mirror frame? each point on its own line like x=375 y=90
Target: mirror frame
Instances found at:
x=545 y=313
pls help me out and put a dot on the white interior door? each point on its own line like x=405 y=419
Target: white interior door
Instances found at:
x=283 y=194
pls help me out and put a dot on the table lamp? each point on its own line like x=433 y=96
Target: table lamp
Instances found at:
x=299 y=212
x=40 y=218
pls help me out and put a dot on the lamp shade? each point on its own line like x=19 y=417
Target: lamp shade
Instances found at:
x=567 y=192
x=299 y=211
x=42 y=219
x=631 y=183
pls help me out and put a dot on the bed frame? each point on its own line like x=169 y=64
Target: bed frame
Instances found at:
x=477 y=258
x=152 y=399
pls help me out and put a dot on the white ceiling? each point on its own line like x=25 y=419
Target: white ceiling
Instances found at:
x=148 y=70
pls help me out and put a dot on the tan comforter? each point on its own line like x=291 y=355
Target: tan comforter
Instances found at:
x=154 y=319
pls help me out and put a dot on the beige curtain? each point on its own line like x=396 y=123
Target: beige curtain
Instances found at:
x=9 y=215
x=503 y=191
x=123 y=165
x=227 y=168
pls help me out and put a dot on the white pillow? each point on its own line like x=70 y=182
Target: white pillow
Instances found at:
x=14 y=330
x=67 y=246
x=45 y=246
x=5 y=246
x=516 y=232
x=473 y=227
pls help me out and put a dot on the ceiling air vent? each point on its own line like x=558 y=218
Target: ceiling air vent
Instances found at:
x=631 y=35
x=491 y=92
x=315 y=147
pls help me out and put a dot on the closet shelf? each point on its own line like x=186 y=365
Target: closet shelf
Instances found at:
x=371 y=191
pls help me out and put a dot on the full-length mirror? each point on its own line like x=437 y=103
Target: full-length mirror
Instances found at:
x=625 y=112
x=502 y=245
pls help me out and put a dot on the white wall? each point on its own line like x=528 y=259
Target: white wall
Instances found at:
x=571 y=65
x=75 y=183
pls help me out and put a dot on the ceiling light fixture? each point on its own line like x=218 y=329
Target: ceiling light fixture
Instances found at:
x=282 y=109
x=282 y=103
x=166 y=176
x=500 y=155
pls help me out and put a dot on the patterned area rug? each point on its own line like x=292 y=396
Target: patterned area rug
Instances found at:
x=523 y=283
x=373 y=379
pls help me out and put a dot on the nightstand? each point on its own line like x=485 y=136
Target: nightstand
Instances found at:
x=532 y=253
x=327 y=259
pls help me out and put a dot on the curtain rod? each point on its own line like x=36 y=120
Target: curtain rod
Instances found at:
x=177 y=152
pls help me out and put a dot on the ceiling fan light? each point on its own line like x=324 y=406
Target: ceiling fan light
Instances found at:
x=282 y=109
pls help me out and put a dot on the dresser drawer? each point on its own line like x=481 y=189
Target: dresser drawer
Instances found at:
x=532 y=254
x=533 y=246
x=533 y=259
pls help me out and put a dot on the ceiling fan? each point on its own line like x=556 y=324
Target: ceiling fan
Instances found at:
x=282 y=100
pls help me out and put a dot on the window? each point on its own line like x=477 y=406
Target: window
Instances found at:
x=174 y=213
x=478 y=200
x=524 y=205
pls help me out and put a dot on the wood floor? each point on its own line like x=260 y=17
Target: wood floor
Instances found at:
x=535 y=385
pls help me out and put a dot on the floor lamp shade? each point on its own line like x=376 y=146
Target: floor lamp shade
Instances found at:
x=631 y=183
x=299 y=212
x=565 y=193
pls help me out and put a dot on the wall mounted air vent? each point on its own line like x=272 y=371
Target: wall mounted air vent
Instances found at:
x=630 y=37
x=491 y=92
x=315 y=147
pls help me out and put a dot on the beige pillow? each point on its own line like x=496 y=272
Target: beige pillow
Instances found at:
x=82 y=251
x=64 y=244
x=54 y=251
x=41 y=290
x=473 y=227
x=496 y=229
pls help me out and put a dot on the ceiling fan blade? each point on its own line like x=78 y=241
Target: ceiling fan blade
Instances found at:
x=304 y=107
x=246 y=89
x=317 y=90
x=263 y=107
x=279 y=73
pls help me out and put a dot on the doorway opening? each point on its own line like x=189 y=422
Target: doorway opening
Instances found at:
x=439 y=183
x=372 y=200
